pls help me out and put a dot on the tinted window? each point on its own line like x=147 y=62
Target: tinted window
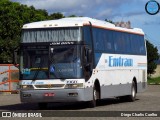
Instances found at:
x=122 y=43
x=137 y=44
x=98 y=38
x=109 y=41
x=87 y=36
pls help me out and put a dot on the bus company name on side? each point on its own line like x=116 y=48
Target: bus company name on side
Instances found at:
x=120 y=62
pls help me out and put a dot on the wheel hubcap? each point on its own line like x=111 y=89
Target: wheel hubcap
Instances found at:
x=133 y=92
x=95 y=94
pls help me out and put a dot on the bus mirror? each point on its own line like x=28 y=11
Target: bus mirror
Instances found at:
x=15 y=57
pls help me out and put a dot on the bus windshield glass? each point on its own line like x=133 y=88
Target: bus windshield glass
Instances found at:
x=65 y=62
x=55 y=62
x=34 y=63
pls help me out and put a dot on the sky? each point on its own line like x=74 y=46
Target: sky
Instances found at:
x=115 y=10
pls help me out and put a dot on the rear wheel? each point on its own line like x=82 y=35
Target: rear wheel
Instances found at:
x=132 y=97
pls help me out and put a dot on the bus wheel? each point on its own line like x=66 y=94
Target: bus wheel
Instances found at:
x=92 y=103
x=42 y=105
x=132 y=97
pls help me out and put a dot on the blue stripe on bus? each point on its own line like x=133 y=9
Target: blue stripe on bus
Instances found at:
x=97 y=58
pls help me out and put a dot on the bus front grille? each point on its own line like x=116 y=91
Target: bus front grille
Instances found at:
x=50 y=86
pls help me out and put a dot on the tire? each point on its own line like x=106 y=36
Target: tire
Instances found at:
x=42 y=105
x=92 y=103
x=132 y=97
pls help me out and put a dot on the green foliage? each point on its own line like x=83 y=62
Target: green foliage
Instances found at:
x=12 y=17
x=152 y=56
x=72 y=16
x=153 y=80
x=57 y=15
x=110 y=21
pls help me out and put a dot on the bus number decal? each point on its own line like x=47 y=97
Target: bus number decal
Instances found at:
x=26 y=71
x=72 y=82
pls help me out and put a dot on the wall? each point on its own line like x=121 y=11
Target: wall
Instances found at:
x=157 y=73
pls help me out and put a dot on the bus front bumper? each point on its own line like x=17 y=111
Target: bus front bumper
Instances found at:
x=58 y=95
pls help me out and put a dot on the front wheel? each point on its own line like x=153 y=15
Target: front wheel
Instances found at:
x=92 y=103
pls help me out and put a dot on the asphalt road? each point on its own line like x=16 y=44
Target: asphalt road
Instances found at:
x=146 y=101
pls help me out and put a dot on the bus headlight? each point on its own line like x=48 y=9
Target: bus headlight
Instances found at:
x=72 y=86
x=26 y=86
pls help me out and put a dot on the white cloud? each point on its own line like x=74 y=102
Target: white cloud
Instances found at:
x=55 y=4
x=81 y=7
x=115 y=10
x=106 y=13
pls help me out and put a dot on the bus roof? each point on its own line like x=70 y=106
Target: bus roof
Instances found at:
x=80 y=21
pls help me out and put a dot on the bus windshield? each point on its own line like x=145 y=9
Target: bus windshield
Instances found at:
x=65 y=62
x=55 y=62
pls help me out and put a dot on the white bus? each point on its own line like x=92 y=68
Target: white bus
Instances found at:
x=81 y=59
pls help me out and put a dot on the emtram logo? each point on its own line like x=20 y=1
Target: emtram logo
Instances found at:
x=152 y=7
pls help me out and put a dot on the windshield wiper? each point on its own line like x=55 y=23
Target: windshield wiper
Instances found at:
x=51 y=62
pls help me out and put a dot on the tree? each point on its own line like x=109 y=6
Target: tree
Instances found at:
x=12 y=17
x=57 y=15
x=110 y=21
x=152 y=56
x=72 y=16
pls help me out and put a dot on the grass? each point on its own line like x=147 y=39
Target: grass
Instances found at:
x=153 y=80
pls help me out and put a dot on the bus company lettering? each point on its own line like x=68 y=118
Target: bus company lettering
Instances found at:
x=120 y=62
x=62 y=43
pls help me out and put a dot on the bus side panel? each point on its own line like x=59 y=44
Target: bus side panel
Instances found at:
x=116 y=79
x=115 y=90
x=142 y=83
x=88 y=93
x=116 y=82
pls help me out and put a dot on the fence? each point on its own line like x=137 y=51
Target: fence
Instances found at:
x=9 y=78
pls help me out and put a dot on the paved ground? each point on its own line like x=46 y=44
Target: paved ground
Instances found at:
x=147 y=101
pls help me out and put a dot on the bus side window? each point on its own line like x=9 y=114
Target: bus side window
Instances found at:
x=108 y=45
x=141 y=49
x=108 y=42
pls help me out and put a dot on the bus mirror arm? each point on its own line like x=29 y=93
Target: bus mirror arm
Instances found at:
x=88 y=67
x=15 y=57
x=89 y=56
x=88 y=60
